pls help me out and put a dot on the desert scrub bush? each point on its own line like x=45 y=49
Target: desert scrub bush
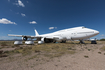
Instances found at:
x=1 y=51
x=9 y=52
x=0 y=47
x=6 y=51
x=58 y=54
x=103 y=48
x=54 y=50
x=16 y=45
x=99 y=52
x=3 y=44
x=89 y=49
x=35 y=56
x=102 y=39
x=6 y=43
x=17 y=51
x=29 y=47
x=3 y=55
x=26 y=51
x=21 y=47
x=70 y=52
x=36 y=51
x=86 y=56
x=71 y=48
x=12 y=46
x=55 y=47
x=53 y=55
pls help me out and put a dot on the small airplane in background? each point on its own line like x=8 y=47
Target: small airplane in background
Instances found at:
x=76 y=33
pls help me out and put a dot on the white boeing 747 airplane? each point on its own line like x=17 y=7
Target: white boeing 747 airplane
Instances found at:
x=76 y=33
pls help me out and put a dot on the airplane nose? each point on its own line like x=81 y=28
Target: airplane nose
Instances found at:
x=96 y=32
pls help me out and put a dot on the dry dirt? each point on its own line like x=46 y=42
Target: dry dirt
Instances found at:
x=87 y=57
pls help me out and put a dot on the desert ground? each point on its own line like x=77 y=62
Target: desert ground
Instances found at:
x=52 y=56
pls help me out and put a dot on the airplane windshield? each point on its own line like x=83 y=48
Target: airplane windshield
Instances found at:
x=83 y=27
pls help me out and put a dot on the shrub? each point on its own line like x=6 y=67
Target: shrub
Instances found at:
x=21 y=47
x=3 y=44
x=86 y=56
x=99 y=52
x=37 y=51
x=103 y=48
x=1 y=51
x=6 y=51
x=88 y=49
x=102 y=39
x=3 y=55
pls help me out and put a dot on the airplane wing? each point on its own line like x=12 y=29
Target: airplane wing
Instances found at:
x=22 y=36
x=38 y=38
x=26 y=36
x=15 y=35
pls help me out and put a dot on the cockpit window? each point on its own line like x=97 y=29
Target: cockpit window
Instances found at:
x=83 y=27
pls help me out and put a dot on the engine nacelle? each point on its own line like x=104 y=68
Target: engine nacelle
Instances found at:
x=44 y=40
x=40 y=42
x=24 y=38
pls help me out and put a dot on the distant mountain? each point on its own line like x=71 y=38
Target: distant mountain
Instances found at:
x=12 y=40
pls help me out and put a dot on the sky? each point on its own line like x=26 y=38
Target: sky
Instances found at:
x=23 y=16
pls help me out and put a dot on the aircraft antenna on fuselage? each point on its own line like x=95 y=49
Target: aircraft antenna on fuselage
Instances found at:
x=36 y=33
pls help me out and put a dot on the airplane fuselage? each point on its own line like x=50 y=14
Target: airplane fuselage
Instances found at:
x=78 y=33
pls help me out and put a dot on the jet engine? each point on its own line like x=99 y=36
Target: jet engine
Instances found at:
x=44 y=40
x=24 y=38
x=48 y=40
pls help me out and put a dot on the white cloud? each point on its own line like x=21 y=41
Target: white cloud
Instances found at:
x=6 y=21
x=8 y=0
x=23 y=14
x=27 y=1
x=55 y=27
x=102 y=35
x=33 y=22
x=17 y=13
x=10 y=10
x=9 y=30
x=52 y=28
x=19 y=3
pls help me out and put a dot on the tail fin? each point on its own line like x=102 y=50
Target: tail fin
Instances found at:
x=36 y=33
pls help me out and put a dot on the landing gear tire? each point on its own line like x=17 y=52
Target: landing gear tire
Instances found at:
x=63 y=41
x=82 y=42
x=48 y=40
x=54 y=41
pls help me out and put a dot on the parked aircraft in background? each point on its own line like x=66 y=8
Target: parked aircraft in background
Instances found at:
x=76 y=33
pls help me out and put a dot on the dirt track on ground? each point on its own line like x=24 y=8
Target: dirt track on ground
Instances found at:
x=87 y=57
